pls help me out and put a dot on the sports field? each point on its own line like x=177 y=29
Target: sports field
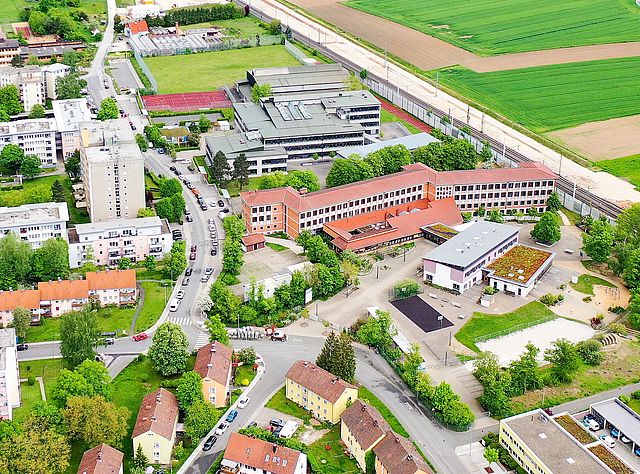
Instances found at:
x=553 y=97
x=507 y=26
x=10 y=10
x=209 y=71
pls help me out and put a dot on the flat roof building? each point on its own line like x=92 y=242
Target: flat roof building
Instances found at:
x=34 y=83
x=35 y=223
x=518 y=270
x=68 y=115
x=9 y=48
x=613 y=413
x=411 y=142
x=34 y=136
x=9 y=373
x=324 y=78
x=112 y=170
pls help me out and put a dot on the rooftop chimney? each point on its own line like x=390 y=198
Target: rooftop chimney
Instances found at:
x=275 y=447
x=99 y=457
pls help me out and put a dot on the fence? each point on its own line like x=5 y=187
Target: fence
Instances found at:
x=145 y=69
x=513 y=329
x=299 y=55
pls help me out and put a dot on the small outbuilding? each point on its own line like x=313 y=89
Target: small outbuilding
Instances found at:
x=253 y=242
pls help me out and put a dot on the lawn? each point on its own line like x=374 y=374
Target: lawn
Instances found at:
x=635 y=405
x=386 y=117
x=482 y=324
x=252 y=185
x=627 y=167
x=276 y=247
x=506 y=26
x=47 y=369
x=280 y=403
x=211 y=70
x=586 y=283
x=332 y=460
x=366 y=396
x=10 y=10
x=244 y=372
x=552 y=97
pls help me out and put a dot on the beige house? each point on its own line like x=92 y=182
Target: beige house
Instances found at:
x=361 y=428
x=155 y=428
x=103 y=459
x=398 y=455
x=213 y=363
x=320 y=392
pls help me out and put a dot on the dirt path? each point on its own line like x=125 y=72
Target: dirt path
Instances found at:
x=427 y=52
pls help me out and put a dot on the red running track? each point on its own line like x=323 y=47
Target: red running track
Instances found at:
x=187 y=102
x=407 y=117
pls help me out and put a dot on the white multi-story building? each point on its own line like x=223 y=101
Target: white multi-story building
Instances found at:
x=50 y=73
x=35 y=223
x=34 y=136
x=9 y=374
x=112 y=170
x=69 y=114
x=34 y=83
x=111 y=241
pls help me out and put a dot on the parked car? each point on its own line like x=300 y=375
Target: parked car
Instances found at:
x=232 y=416
x=109 y=341
x=204 y=207
x=172 y=168
x=188 y=218
x=225 y=210
x=592 y=424
x=253 y=424
x=222 y=427
x=192 y=256
x=194 y=248
x=185 y=281
x=243 y=402
x=180 y=294
x=208 y=271
x=607 y=440
x=208 y=444
x=624 y=439
x=190 y=186
x=276 y=422
x=211 y=220
x=140 y=337
x=22 y=347
x=637 y=451
x=204 y=278
x=188 y=271
x=279 y=336
x=220 y=203
x=195 y=191
x=615 y=432
x=214 y=251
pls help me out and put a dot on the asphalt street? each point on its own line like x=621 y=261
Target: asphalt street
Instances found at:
x=95 y=75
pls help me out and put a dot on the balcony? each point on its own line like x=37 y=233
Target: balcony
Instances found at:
x=127 y=291
x=155 y=249
x=44 y=304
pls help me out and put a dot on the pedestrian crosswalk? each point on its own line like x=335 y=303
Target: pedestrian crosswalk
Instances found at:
x=203 y=339
x=181 y=321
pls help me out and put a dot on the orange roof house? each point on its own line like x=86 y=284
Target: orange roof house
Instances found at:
x=103 y=459
x=213 y=363
x=10 y=300
x=112 y=279
x=63 y=290
x=155 y=428
x=135 y=28
x=255 y=454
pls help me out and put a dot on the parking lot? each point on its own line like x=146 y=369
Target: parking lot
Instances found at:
x=124 y=75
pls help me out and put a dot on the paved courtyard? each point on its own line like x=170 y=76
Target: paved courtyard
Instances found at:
x=266 y=262
x=124 y=75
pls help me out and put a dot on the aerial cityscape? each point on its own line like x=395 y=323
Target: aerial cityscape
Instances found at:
x=319 y=237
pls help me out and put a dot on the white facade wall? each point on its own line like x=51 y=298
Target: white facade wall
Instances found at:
x=9 y=374
x=35 y=223
x=34 y=136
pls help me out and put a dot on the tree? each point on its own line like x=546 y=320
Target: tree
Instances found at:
x=169 y=187
x=486 y=368
x=78 y=336
x=232 y=257
x=225 y=306
x=11 y=157
x=142 y=143
x=31 y=166
x=491 y=455
x=51 y=260
x=140 y=459
x=220 y=169
x=204 y=124
x=553 y=202
x=598 y=242
x=44 y=416
x=352 y=83
x=72 y=165
x=108 y=109
x=97 y=378
x=37 y=112
x=547 y=229
x=590 y=351
x=150 y=263
x=631 y=272
x=217 y=329
x=69 y=87
x=524 y=371
x=343 y=172
x=260 y=91
x=326 y=281
x=146 y=212
x=10 y=100
x=17 y=61
x=44 y=452
x=168 y=351
x=302 y=179
x=495 y=216
x=411 y=365
x=164 y=209
x=57 y=191
x=565 y=359
x=21 y=322
x=189 y=390
x=94 y=420
x=175 y=262
x=201 y=418
x=241 y=170
x=233 y=227
x=72 y=59
x=486 y=154
x=247 y=356
x=4 y=116
x=274 y=27
x=15 y=261
x=378 y=331
x=69 y=384
x=337 y=356
x=278 y=179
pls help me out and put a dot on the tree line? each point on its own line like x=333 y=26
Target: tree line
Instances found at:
x=192 y=15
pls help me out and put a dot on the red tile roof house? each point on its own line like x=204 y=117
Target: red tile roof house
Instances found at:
x=361 y=428
x=244 y=454
x=136 y=28
x=155 y=428
x=214 y=364
x=397 y=455
x=103 y=459
x=253 y=242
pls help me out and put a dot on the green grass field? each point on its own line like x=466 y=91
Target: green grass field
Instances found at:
x=209 y=71
x=10 y=10
x=548 y=98
x=506 y=26
x=386 y=117
x=483 y=324
x=586 y=283
x=626 y=167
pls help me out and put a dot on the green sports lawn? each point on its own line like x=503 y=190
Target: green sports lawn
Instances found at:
x=549 y=98
x=209 y=71
x=506 y=26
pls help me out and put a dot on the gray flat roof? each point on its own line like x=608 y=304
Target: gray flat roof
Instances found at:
x=558 y=450
x=410 y=141
x=300 y=75
x=620 y=416
x=471 y=244
x=232 y=144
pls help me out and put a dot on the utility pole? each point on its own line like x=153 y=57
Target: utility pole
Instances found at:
x=560 y=167
x=482 y=123
x=437 y=82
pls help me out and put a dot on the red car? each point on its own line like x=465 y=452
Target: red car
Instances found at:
x=140 y=337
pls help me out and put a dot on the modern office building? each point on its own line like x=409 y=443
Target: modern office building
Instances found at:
x=155 y=428
x=318 y=78
x=34 y=136
x=35 y=223
x=458 y=263
x=34 y=83
x=112 y=170
x=110 y=241
x=214 y=364
x=244 y=455
x=9 y=374
x=68 y=115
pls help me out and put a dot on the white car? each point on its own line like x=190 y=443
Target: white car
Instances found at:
x=180 y=294
x=211 y=220
x=243 y=402
x=607 y=441
x=208 y=271
x=213 y=204
x=222 y=427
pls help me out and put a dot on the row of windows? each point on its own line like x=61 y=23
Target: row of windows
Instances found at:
x=502 y=195
x=517 y=184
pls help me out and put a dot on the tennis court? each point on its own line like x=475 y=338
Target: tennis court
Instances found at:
x=187 y=102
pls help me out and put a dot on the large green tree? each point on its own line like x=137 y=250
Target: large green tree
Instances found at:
x=78 y=336
x=189 y=390
x=233 y=227
x=240 y=172
x=217 y=329
x=260 y=91
x=525 y=374
x=220 y=171
x=169 y=349
x=201 y=417
x=378 y=331
x=232 y=257
x=15 y=262
x=57 y=191
x=564 y=359
x=51 y=260
x=21 y=322
x=31 y=166
x=553 y=202
x=44 y=452
x=10 y=100
x=94 y=420
x=225 y=305
x=307 y=179
x=72 y=165
x=598 y=242
x=343 y=171
x=69 y=87
x=108 y=109
x=547 y=229
x=11 y=157
x=337 y=356
x=169 y=187
x=37 y=112
x=175 y=262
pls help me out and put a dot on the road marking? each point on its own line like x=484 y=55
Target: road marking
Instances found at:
x=185 y=321
x=203 y=340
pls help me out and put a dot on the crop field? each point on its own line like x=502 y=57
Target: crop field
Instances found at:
x=627 y=167
x=506 y=26
x=208 y=71
x=548 y=98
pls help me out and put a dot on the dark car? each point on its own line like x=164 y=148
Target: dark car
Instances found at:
x=22 y=347
x=276 y=422
x=194 y=248
x=189 y=218
x=232 y=415
x=188 y=271
x=192 y=256
x=208 y=444
x=204 y=207
x=220 y=203
x=214 y=251
x=253 y=424
x=172 y=168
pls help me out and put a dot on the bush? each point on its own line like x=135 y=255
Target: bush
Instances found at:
x=244 y=382
x=490 y=290
x=635 y=395
x=590 y=352
x=551 y=300
x=144 y=378
x=625 y=399
x=618 y=328
x=616 y=309
x=31 y=380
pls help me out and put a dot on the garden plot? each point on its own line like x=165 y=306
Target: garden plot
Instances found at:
x=509 y=347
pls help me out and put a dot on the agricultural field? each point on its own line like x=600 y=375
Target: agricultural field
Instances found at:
x=10 y=10
x=627 y=167
x=553 y=97
x=211 y=70
x=490 y=27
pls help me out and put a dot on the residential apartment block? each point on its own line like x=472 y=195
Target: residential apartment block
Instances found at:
x=9 y=374
x=68 y=115
x=361 y=428
x=103 y=459
x=214 y=364
x=55 y=298
x=34 y=136
x=35 y=223
x=245 y=455
x=34 y=83
x=397 y=455
x=9 y=48
x=110 y=241
x=287 y=210
x=155 y=428
x=323 y=394
x=112 y=170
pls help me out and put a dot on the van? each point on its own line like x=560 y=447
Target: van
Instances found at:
x=175 y=303
x=593 y=425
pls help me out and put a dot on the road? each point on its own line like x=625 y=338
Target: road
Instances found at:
x=95 y=75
